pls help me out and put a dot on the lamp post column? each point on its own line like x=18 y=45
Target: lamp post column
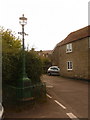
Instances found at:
x=24 y=83
x=23 y=22
x=23 y=47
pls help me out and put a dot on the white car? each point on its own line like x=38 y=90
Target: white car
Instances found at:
x=53 y=70
x=1 y=111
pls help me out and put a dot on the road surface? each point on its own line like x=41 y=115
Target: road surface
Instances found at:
x=66 y=98
x=71 y=94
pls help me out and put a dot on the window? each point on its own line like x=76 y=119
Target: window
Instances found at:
x=69 y=65
x=69 y=48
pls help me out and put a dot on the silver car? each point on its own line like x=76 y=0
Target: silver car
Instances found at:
x=53 y=70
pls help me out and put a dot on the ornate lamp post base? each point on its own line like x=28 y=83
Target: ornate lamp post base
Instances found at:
x=27 y=93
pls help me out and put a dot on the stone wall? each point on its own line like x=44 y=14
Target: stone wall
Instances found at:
x=79 y=56
x=89 y=58
x=55 y=56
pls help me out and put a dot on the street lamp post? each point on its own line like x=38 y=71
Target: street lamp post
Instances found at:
x=24 y=89
x=24 y=83
x=23 y=22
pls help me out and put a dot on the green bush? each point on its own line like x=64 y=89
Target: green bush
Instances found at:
x=11 y=68
x=33 y=66
x=46 y=62
x=11 y=47
x=12 y=60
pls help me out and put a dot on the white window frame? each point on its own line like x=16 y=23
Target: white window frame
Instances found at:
x=69 y=65
x=69 y=48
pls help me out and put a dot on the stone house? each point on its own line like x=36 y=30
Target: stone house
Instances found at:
x=72 y=54
x=45 y=53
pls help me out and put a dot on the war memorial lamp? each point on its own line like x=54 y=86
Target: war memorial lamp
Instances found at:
x=24 y=82
x=24 y=89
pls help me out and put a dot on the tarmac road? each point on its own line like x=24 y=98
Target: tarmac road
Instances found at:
x=71 y=94
x=66 y=98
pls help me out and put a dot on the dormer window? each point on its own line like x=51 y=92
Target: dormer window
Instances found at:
x=69 y=48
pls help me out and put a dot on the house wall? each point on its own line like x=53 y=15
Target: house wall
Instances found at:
x=55 y=56
x=79 y=57
x=89 y=58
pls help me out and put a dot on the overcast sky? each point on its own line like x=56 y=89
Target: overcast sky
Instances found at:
x=49 y=21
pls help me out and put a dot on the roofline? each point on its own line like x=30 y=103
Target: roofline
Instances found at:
x=67 y=39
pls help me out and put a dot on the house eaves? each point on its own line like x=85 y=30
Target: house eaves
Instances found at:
x=76 y=35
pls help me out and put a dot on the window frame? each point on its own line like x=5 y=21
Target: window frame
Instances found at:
x=69 y=48
x=69 y=65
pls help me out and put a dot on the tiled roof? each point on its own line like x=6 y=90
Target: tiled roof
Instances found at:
x=77 y=35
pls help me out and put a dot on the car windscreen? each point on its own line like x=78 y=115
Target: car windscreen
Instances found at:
x=54 y=68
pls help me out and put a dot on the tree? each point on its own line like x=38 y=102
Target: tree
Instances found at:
x=12 y=60
x=10 y=44
x=11 y=49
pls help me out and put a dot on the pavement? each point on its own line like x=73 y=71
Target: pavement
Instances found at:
x=66 y=98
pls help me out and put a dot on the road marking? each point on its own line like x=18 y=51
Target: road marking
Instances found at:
x=60 y=104
x=48 y=96
x=72 y=116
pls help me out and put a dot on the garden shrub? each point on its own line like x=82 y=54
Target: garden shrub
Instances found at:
x=33 y=66
x=12 y=60
x=46 y=62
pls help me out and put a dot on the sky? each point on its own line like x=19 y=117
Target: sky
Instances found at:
x=49 y=21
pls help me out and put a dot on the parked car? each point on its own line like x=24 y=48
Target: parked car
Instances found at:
x=1 y=111
x=53 y=70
